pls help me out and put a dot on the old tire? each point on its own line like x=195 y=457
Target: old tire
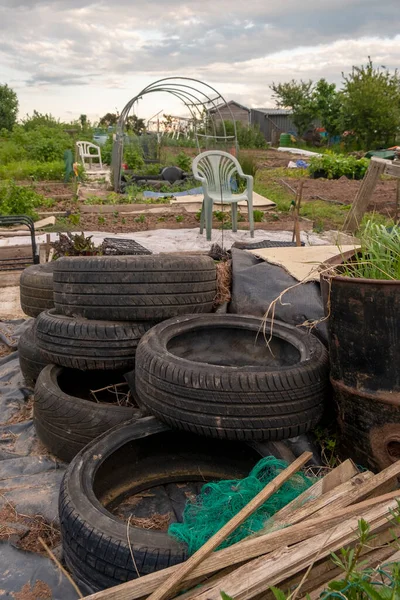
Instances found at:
x=36 y=288
x=208 y=374
x=128 y=460
x=82 y=344
x=134 y=288
x=65 y=422
x=31 y=360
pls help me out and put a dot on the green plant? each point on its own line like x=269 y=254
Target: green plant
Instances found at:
x=318 y=226
x=29 y=169
x=184 y=162
x=44 y=143
x=222 y=216
x=179 y=218
x=101 y=220
x=249 y=164
x=334 y=166
x=74 y=245
x=379 y=255
x=19 y=200
x=258 y=216
x=75 y=219
x=133 y=155
x=123 y=221
x=197 y=216
x=140 y=219
x=161 y=219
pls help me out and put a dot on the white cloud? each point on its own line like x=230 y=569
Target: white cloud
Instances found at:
x=74 y=56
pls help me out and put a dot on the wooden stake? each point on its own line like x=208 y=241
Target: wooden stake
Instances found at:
x=375 y=170
x=187 y=567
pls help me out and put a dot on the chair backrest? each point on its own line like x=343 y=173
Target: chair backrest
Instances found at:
x=217 y=168
x=84 y=150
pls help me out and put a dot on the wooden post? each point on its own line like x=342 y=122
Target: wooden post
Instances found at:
x=375 y=170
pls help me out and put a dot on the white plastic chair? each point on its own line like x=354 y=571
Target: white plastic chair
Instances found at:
x=84 y=151
x=215 y=170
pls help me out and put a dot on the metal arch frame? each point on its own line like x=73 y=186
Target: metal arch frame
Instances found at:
x=196 y=98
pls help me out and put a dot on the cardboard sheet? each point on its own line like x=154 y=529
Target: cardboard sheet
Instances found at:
x=302 y=263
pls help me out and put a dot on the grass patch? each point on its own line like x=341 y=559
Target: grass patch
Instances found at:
x=30 y=169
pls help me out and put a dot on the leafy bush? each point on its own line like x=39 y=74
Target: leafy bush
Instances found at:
x=29 y=169
x=19 y=200
x=247 y=136
x=44 y=143
x=133 y=156
x=106 y=150
x=184 y=162
x=10 y=152
x=334 y=166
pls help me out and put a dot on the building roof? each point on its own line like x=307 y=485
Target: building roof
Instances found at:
x=219 y=106
x=274 y=111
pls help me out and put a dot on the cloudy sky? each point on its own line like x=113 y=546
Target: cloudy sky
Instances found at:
x=70 y=57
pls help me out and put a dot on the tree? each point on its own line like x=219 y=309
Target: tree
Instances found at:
x=135 y=124
x=371 y=105
x=41 y=120
x=8 y=107
x=297 y=96
x=109 y=120
x=328 y=107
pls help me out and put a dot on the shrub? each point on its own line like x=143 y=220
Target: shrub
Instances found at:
x=19 y=200
x=184 y=162
x=10 y=152
x=334 y=166
x=44 y=143
x=29 y=169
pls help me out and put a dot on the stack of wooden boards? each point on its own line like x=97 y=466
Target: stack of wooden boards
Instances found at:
x=295 y=546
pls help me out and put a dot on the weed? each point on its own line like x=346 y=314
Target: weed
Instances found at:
x=197 y=216
x=19 y=200
x=123 y=221
x=161 y=219
x=74 y=219
x=318 y=226
x=184 y=161
x=140 y=219
x=258 y=216
x=115 y=214
x=221 y=215
x=248 y=164
x=179 y=218
x=101 y=220
x=379 y=256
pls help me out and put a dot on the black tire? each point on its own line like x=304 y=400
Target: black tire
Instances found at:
x=128 y=460
x=236 y=394
x=82 y=344
x=134 y=288
x=31 y=360
x=36 y=288
x=65 y=422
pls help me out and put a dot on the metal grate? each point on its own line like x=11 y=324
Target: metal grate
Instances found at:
x=17 y=263
x=115 y=246
x=264 y=244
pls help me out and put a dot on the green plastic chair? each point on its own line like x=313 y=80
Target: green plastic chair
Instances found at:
x=215 y=170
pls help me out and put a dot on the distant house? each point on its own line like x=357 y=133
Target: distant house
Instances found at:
x=272 y=122
x=226 y=111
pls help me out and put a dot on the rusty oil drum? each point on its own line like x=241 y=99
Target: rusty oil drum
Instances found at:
x=364 y=345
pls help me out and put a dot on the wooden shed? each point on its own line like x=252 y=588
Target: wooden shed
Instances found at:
x=240 y=113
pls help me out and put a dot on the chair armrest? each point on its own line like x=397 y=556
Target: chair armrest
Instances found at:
x=250 y=182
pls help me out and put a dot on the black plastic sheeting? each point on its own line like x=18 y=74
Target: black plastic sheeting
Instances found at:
x=256 y=283
x=29 y=480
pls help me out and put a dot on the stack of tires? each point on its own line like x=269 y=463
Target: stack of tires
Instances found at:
x=220 y=387
x=214 y=386
x=102 y=308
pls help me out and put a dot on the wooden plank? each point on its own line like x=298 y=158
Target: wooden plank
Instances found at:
x=345 y=471
x=341 y=496
x=258 y=575
x=392 y=169
x=240 y=552
x=375 y=170
x=169 y=586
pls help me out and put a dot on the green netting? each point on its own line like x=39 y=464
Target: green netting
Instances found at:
x=218 y=502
